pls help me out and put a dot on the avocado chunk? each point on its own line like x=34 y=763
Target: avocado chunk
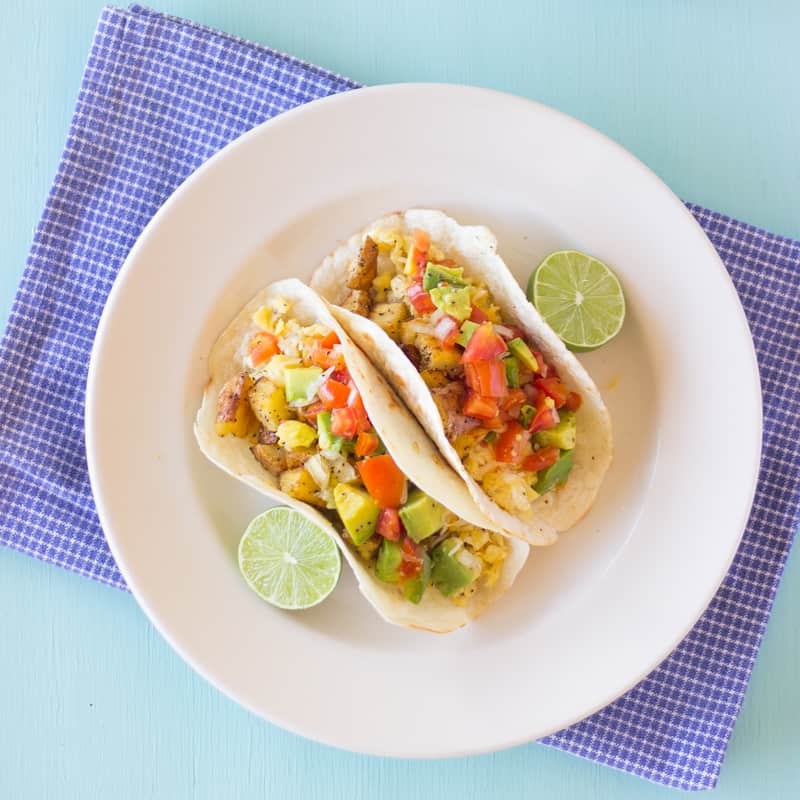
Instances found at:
x=512 y=371
x=467 y=329
x=421 y=516
x=390 y=557
x=327 y=441
x=556 y=474
x=523 y=353
x=436 y=274
x=357 y=510
x=448 y=574
x=564 y=435
x=414 y=588
x=453 y=301
x=300 y=382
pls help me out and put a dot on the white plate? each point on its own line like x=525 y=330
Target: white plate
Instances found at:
x=587 y=618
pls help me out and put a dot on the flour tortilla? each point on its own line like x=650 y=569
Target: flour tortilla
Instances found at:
x=475 y=247
x=404 y=439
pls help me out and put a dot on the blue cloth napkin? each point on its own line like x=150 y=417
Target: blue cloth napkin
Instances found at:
x=159 y=96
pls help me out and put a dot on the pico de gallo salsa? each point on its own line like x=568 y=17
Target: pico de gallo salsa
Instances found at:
x=504 y=408
x=296 y=403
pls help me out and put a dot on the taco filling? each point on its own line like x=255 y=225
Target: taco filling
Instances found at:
x=504 y=409
x=296 y=403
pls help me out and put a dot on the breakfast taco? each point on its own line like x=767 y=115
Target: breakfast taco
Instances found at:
x=512 y=410
x=295 y=410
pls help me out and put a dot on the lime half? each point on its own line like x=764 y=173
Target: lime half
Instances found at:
x=288 y=560
x=579 y=297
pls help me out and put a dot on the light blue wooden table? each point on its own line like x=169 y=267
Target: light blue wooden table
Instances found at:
x=92 y=702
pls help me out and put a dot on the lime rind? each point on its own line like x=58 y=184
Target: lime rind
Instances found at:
x=288 y=560
x=579 y=297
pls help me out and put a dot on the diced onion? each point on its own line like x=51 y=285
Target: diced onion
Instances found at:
x=319 y=470
x=504 y=331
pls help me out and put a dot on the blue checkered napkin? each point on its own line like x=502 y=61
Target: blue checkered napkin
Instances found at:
x=159 y=96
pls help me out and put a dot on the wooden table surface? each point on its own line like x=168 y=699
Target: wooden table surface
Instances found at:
x=92 y=702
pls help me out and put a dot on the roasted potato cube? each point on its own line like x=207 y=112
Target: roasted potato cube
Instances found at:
x=434 y=378
x=234 y=414
x=271 y=457
x=468 y=440
x=389 y=316
x=296 y=458
x=269 y=404
x=363 y=270
x=357 y=301
x=434 y=356
x=299 y=484
x=369 y=549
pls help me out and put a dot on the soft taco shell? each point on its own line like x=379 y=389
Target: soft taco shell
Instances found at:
x=404 y=439
x=476 y=248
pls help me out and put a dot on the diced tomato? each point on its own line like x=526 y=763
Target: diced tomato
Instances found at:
x=366 y=444
x=329 y=340
x=541 y=459
x=574 y=401
x=263 y=346
x=446 y=330
x=509 y=443
x=513 y=401
x=553 y=387
x=334 y=394
x=484 y=345
x=357 y=404
x=544 y=418
x=478 y=315
x=420 y=299
x=325 y=358
x=411 y=563
x=497 y=423
x=389 y=524
x=487 y=378
x=344 y=422
x=385 y=482
x=544 y=368
x=479 y=407
x=311 y=412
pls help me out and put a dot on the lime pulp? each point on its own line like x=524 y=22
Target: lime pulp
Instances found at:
x=288 y=560
x=580 y=298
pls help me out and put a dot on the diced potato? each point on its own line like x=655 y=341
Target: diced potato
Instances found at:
x=368 y=550
x=382 y=281
x=299 y=484
x=510 y=490
x=234 y=415
x=271 y=457
x=468 y=440
x=434 y=378
x=296 y=458
x=269 y=404
x=434 y=356
x=296 y=435
x=357 y=301
x=389 y=316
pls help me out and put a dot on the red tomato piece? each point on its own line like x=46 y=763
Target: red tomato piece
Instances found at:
x=329 y=340
x=385 y=482
x=479 y=407
x=311 y=412
x=513 y=401
x=574 y=401
x=263 y=346
x=509 y=443
x=334 y=394
x=446 y=330
x=544 y=418
x=420 y=299
x=544 y=367
x=553 y=387
x=484 y=345
x=411 y=564
x=366 y=444
x=478 y=315
x=541 y=459
x=389 y=525
x=487 y=378
x=344 y=422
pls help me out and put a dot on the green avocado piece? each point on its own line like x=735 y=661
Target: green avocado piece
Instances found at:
x=421 y=515
x=357 y=510
x=523 y=353
x=467 y=329
x=414 y=588
x=453 y=301
x=555 y=474
x=390 y=556
x=299 y=382
x=448 y=574
x=512 y=371
x=436 y=274
x=327 y=441
x=564 y=435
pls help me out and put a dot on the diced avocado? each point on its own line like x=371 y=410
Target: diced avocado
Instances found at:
x=523 y=353
x=563 y=435
x=448 y=574
x=453 y=301
x=327 y=441
x=512 y=371
x=467 y=329
x=555 y=474
x=299 y=382
x=357 y=510
x=436 y=274
x=526 y=415
x=294 y=434
x=390 y=556
x=414 y=588
x=421 y=516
